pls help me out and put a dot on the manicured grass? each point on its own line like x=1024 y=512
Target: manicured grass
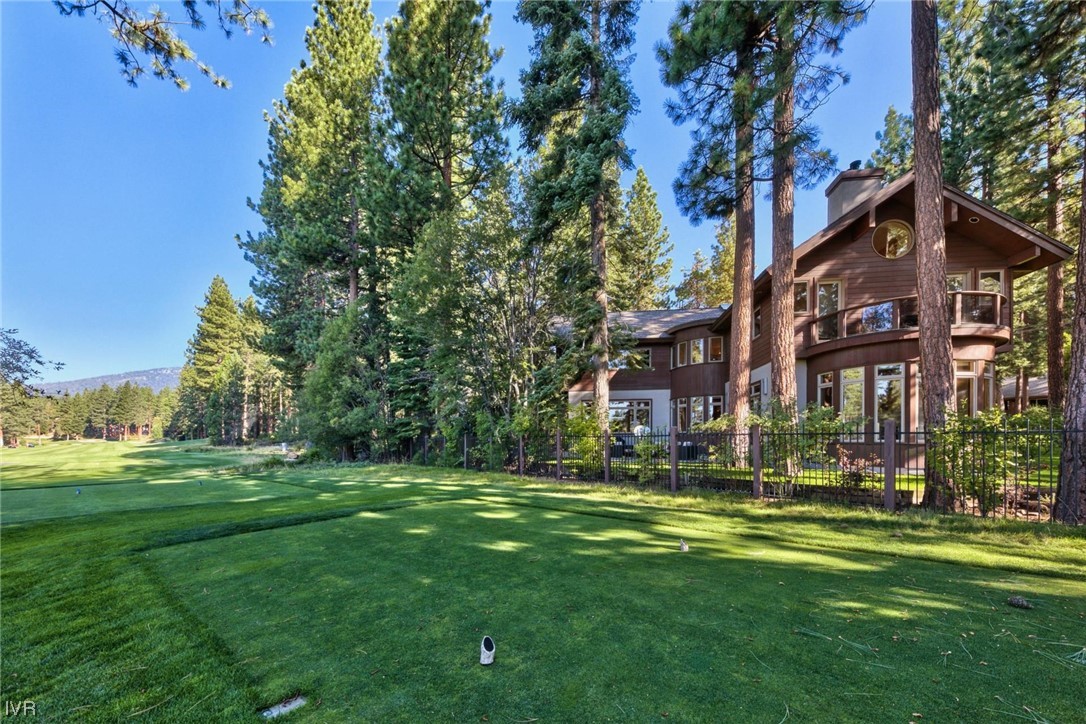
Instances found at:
x=368 y=589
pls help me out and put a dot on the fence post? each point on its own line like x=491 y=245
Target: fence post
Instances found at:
x=520 y=454
x=756 y=461
x=889 y=464
x=673 y=454
x=558 y=454
x=606 y=456
x=465 y=451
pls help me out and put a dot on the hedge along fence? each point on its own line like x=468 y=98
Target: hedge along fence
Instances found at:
x=978 y=469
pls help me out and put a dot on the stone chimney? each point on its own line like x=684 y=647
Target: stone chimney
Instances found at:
x=850 y=188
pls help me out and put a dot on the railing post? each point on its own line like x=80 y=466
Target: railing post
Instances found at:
x=756 y=460
x=889 y=464
x=673 y=454
x=520 y=454
x=558 y=454
x=607 y=456
x=465 y=451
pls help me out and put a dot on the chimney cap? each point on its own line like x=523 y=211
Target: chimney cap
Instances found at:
x=855 y=175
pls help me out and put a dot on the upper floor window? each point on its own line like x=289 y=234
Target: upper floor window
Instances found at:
x=756 y=324
x=716 y=349
x=682 y=354
x=955 y=281
x=697 y=351
x=829 y=301
x=991 y=281
x=801 y=297
x=892 y=239
x=631 y=359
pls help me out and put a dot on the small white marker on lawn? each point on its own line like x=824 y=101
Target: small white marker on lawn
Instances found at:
x=284 y=707
x=486 y=651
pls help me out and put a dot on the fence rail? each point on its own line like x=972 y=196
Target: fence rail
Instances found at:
x=1012 y=473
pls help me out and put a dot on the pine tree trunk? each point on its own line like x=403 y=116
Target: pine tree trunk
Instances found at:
x=601 y=342
x=743 y=283
x=244 y=405
x=936 y=350
x=783 y=323
x=1054 y=288
x=1071 y=492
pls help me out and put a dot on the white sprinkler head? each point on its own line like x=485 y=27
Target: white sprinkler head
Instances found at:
x=486 y=651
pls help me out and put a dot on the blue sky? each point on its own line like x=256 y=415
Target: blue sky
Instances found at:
x=119 y=205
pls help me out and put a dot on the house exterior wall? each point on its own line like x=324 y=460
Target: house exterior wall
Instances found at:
x=873 y=353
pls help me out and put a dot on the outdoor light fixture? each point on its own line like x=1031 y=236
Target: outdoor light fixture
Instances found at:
x=974 y=219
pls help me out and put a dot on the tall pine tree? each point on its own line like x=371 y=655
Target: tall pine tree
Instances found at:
x=640 y=264
x=577 y=93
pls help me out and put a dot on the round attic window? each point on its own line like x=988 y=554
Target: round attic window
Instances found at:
x=892 y=239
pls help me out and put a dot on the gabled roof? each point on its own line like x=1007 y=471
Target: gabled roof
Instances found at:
x=1038 y=249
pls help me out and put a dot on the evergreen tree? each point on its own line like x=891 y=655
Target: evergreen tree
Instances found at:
x=1071 y=491
x=445 y=107
x=577 y=95
x=640 y=265
x=98 y=404
x=165 y=406
x=338 y=401
x=715 y=58
x=936 y=353
x=321 y=187
x=16 y=412
x=802 y=31
x=445 y=128
x=218 y=334
x=895 y=151
x=154 y=34
x=693 y=291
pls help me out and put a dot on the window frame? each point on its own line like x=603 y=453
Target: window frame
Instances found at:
x=807 y=296
x=709 y=353
x=1002 y=281
x=840 y=305
x=700 y=346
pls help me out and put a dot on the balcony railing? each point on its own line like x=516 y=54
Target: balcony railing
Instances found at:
x=903 y=313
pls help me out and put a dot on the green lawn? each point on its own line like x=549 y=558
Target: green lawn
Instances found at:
x=367 y=589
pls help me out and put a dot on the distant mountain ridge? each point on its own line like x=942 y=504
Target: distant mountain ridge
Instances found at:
x=156 y=379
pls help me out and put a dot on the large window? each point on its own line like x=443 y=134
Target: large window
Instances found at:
x=955 y=281
x=716 y=407
x=852 y=394
x=889 y=393
x=683 y=423
x=629 y=414
x=697 y=410
x=697 y=351
x=716 y=349
x=829 y=301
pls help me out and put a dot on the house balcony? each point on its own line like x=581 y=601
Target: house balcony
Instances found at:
x=984 y=315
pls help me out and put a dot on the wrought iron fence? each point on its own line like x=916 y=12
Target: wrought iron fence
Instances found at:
x=1005 y=473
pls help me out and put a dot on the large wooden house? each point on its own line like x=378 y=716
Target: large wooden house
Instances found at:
x=857 y=320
